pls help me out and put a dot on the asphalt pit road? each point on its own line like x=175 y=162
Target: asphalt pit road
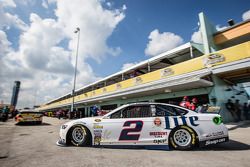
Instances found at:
x=24 y=134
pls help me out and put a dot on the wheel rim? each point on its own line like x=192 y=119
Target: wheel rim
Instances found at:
x=78 y=134
x=182 y=137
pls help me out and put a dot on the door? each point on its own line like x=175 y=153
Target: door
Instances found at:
x=128 y=126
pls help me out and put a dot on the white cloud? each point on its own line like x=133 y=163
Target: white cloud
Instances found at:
x=44 y=35
x=95 y=22
x=4 y=44
x=161 y=42
x=26 y=2
x=124 y=7
x=51 y=1
x=197 y=37
x=246 y=15
x=8 y=19
x=219 y=28
x=45 y=4
x=109 y=4
x=8 y=3
x=128 y=65
x=43 y=66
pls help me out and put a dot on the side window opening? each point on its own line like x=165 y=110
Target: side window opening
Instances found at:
x=180 y=111
x=116 y=115
x=136 y=112
x=164 y=110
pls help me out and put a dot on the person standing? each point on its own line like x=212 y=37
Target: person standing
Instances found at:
x=246 y=110
x=238 y=109
x=193 y=105
x=231 y=108
x=94 y=111
x=5 y=113
x=185 y=102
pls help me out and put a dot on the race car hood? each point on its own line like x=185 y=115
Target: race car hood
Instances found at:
x=84 y=121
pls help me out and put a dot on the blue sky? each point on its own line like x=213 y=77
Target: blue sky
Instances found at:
x=179 y=17
x=38 y=44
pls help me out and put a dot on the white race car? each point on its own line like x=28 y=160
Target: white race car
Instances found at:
x=146 y=124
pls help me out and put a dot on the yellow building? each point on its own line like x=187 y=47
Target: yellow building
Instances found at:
x=212 y=72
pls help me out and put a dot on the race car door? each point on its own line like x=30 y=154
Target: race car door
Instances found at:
x=128 y=126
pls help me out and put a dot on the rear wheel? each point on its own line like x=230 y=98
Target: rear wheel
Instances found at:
x=79 y=136
x=182 y=138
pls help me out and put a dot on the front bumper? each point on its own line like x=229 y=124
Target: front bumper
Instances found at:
x=61 y=142
x=62 y=137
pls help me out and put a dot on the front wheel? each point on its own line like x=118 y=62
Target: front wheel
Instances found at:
x=182 y=138
x=79 y=136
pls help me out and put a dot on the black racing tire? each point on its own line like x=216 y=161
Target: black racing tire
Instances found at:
x=182 y=138
x=79 y=136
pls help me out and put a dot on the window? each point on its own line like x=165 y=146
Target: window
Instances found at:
x=180 y=111
x=116 y=115
x=164 y=110
x=137 y=111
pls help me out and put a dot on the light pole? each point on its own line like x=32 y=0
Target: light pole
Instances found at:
x=74 y=84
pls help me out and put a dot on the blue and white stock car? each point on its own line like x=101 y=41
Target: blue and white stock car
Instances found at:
x=146 y=124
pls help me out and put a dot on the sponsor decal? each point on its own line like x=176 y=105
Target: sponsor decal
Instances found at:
x=160 y=141
x=96 y=126
x=166 y=72
x=215 y=141
x=106 y=135
x=118 y=86
x=157 y=121
x=97 y=140
x=217 y=120
x=138 y=80
x=97 y=136
x=181 y=121
x=128 y=129
x=213 y=59
x=158 y=134
x=215 y=134
x=97 y=131
x=98 y=120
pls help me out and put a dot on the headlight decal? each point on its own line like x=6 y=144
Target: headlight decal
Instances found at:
x=64 y=126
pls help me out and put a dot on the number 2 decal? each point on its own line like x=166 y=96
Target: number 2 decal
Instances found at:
x=127 y=129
